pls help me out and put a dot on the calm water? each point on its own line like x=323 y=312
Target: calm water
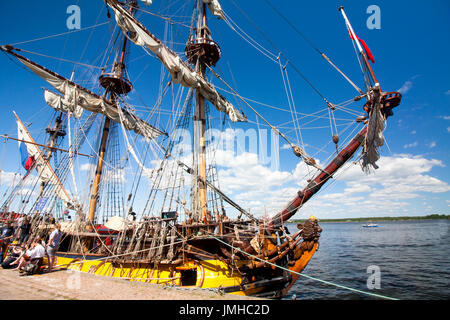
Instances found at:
x=413 y=258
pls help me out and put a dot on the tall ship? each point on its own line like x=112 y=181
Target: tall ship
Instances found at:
x=151 y=207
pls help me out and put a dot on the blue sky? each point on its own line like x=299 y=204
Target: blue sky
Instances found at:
x=410 y=51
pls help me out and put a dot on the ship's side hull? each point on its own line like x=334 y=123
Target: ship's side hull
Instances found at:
x=205 y=274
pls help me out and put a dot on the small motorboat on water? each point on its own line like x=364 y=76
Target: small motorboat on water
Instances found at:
x=370 y=225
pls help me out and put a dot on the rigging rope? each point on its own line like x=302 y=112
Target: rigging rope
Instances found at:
x=282 y=54
x=304 y=275
x=60 y=59
x=60 y=34
x=297 y=150
x=311 y=44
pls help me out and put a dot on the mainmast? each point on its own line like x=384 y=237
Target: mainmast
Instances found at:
x=115 y=85
x=201 y=51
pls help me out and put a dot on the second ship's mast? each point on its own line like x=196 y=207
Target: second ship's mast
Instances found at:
x=115 y=85
x=201 y=51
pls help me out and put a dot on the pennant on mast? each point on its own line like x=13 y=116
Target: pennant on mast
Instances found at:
x=366 y=47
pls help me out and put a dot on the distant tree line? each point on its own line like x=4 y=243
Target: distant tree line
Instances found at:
x=367 y=219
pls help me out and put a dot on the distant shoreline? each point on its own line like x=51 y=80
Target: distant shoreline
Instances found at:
x=372 y=219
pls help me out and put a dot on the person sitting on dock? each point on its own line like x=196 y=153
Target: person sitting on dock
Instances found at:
x=6 y=234
x=32 y=259
x=14 y=253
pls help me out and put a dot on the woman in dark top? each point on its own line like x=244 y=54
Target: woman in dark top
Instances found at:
x=24 y=230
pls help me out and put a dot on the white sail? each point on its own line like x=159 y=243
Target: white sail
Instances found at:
x=64 y=104
x=90 y=101
x=147 y=2
x=146 y=171
x=215 y=8
x=46 y=173
x=181 y=72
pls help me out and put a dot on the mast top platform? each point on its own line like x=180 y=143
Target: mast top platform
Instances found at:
x=115 y=83
x=203 y=48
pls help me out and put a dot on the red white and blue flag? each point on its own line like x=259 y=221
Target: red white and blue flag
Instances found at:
x=32 y=158
x=26 y=157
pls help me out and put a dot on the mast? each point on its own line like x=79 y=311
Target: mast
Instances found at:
x=201 y=122
x=360 y=49
x=54 y=133
x=98 y=172
x=115 y=84
x=201 y=51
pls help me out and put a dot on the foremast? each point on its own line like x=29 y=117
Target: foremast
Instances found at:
x=42 y=166
x=54 y=133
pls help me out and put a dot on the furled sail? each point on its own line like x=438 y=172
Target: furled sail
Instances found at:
x=147 y=2
x=88 y=100
x=181 y=72
x=64 y=104
x=375 y=137
x=215 y=8
x=46 y=173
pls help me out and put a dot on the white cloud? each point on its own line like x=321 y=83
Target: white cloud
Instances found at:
x=432 y=144
x=399 y=179
x=6 y=178
x=405 y=87
x=9 y=178
x=87 y=167
x=388 y=191
x=411 y=145
x=243 y=172
x=26 y=192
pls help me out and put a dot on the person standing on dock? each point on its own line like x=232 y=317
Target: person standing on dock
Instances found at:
x=53 y=245
x=24 y=230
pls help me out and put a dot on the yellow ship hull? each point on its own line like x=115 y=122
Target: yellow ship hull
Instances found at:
x=208 y=274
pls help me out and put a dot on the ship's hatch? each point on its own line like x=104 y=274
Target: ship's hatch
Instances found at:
x=188 y=277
